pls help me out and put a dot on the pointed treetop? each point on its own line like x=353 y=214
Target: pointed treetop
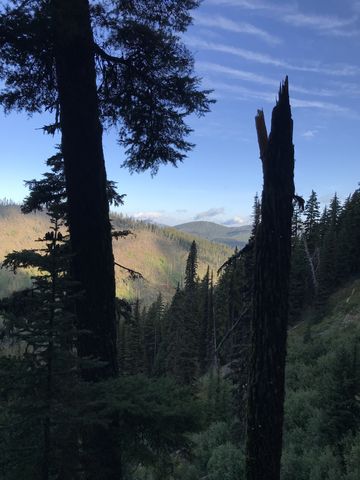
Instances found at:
x=284 y=89
x=191 y=267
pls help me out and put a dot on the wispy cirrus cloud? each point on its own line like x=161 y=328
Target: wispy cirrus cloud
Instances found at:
x=265 y=59
x=218 y=21
x=211 y=213
x=252 y=4
x=291 y=15
x=356 y=7
x=242 y=93
x=327 y=106
x=349 y=89
x=210 y=67
x=322 y=22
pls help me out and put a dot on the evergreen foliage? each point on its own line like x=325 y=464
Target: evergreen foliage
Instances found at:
x=131 y=38
x=191 y=269
x=311 y=221
x=42 y=395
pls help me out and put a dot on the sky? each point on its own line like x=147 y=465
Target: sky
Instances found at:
x=243 y=49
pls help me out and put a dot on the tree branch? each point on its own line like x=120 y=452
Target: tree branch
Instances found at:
x=261 y=133
x=133 y=273
x=248 y=247
x=228 y=333
x=105 y=56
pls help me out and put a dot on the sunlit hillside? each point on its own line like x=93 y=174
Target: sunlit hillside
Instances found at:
x=158 y=253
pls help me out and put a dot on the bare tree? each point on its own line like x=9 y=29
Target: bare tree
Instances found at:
x=265 y=410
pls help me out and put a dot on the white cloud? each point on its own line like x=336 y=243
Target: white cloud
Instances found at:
x=309 y=134
x=212 y=212
x=217 y=21
x=263 y=58
x=236 y=221
x=162 y=217
x=148 y=216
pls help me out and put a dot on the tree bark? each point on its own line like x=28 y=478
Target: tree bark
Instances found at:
x=88 y=217
x=88 y=207
x=270 y=297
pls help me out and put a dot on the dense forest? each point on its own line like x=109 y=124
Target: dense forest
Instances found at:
x=196 y=345
x=196 y=384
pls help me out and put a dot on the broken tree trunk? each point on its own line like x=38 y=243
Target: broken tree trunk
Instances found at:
x=265 y=409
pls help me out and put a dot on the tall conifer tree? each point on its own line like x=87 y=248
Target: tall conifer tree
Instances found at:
x=205 y=322
x=51 y=59
x=191 y=268
x=311 y=222
x=94 y=65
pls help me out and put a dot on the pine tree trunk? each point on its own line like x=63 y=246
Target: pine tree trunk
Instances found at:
x=90 y=230
x=270 y=301
x=88 y=213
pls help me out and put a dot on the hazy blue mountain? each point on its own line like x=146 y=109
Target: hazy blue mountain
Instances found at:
x=231 y=236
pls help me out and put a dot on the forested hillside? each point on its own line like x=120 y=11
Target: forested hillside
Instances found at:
x=158 y=253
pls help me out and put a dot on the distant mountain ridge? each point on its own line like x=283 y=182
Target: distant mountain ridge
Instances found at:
x=214 y=232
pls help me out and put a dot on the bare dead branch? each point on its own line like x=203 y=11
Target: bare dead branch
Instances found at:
x=229 y=332
x=261 y=133
x=133 y=273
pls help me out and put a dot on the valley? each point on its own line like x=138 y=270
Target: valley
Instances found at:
x=158 y=253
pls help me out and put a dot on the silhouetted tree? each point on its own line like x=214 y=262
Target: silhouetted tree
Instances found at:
x=329 y=254
x=40 y=384
x=153 y=333
x=205 y=331
x=311 y=222
x=132 y=345
x=95 y=66
x=191 y=269
x=271 y=287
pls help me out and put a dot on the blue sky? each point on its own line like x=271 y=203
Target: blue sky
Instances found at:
x=242 y=49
